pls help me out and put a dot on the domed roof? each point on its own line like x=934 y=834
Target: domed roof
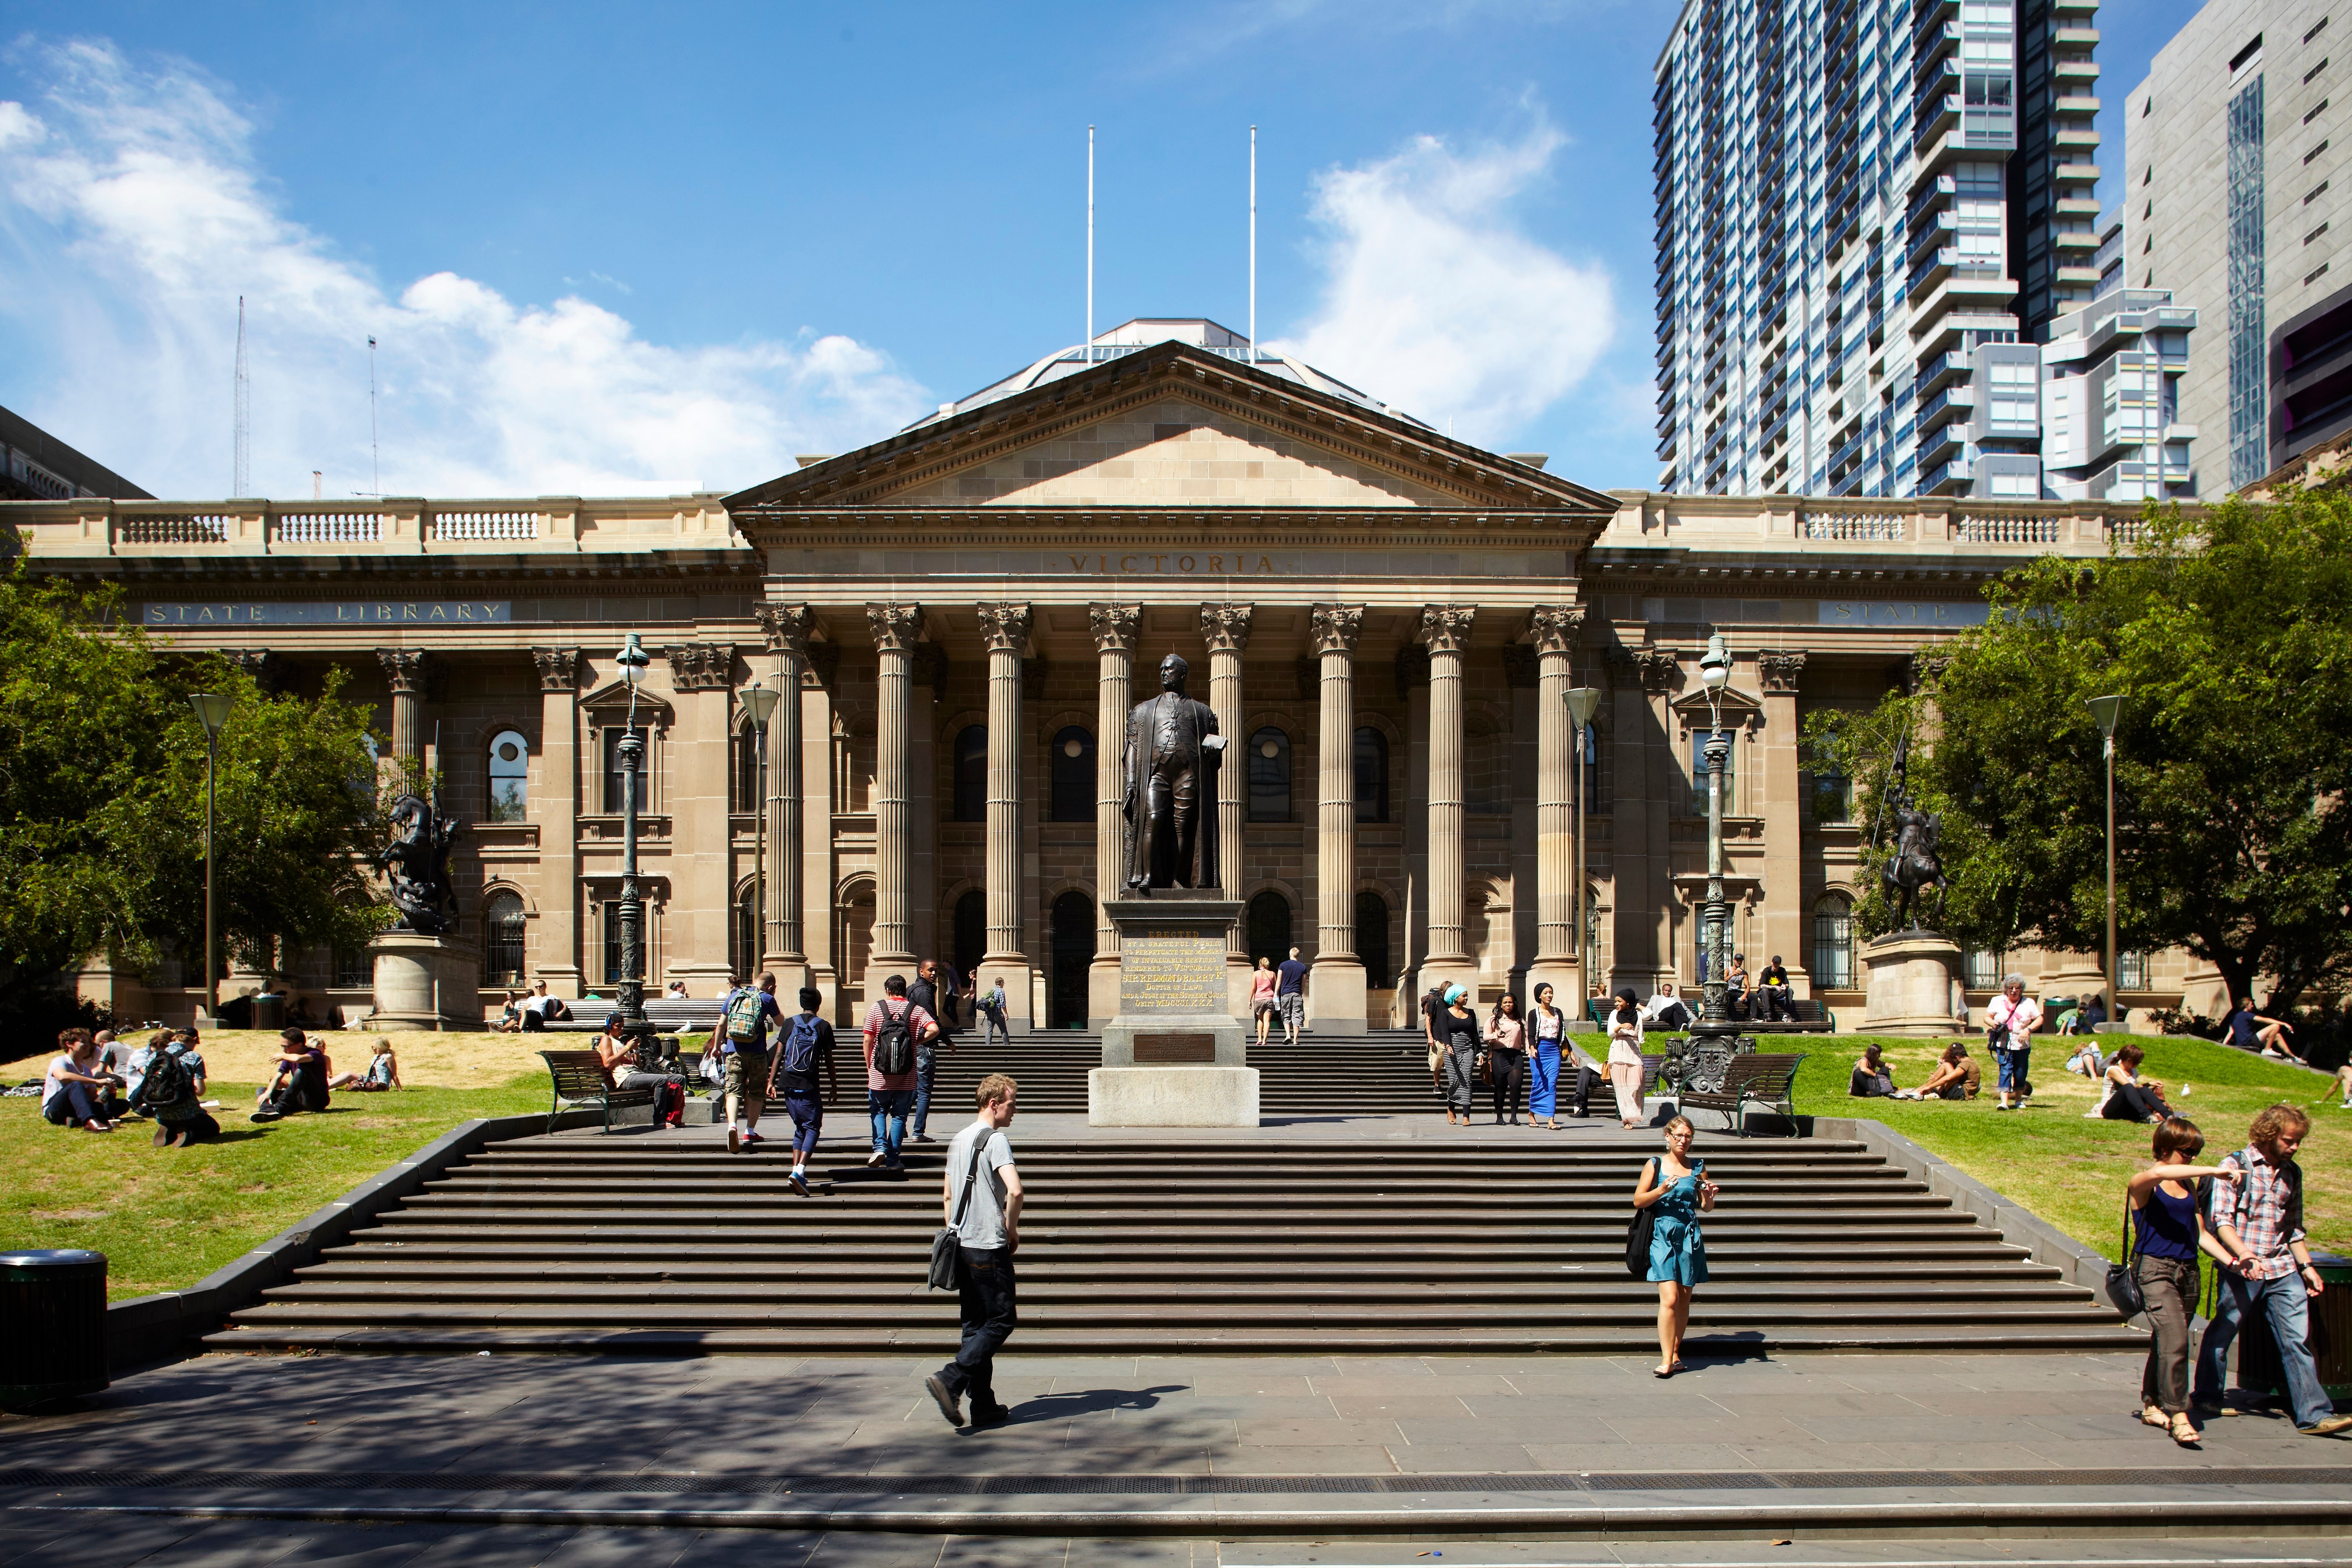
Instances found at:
x=1143 y=332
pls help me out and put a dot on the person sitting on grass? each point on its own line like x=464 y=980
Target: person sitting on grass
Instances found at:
x=509 y=1018
x=2131 y=1098
x=2343 y=1086
x=173 y=1091
x=78 y=1092
x=298 y=1081
x=2252 y=1032
x=383 y=1072
x=1874 y=1080
x=1955 y=1078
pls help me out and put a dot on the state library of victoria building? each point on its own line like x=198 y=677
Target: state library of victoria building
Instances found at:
x=1385 y=621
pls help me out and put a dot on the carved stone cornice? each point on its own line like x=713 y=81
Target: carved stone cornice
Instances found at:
x=1778 y=669
x=1114 y=626
x=701 y=666
x=1554 y=628
x=895 y=627
x=1335 y=628
x=1446 y=628
x=1005 y=628
x=786 y=628
x=404 y=669
x=1659 y=670
x=558 y=667
x=1225 y=627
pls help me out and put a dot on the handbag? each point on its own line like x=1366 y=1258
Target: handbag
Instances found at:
x=1637 y=1237
x=947 y=1247
x=2123 y=1282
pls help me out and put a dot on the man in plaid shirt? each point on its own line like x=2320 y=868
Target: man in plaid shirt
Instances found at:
x=2260 y=1224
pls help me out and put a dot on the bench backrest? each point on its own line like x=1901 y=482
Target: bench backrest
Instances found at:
x=1763 y=1074
x=574 y=1072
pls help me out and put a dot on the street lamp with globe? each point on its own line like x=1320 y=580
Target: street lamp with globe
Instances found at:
x=1714 y=674
x=759 y=704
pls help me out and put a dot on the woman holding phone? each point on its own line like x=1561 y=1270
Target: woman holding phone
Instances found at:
x=1677 y=1186
x=1626 y=1056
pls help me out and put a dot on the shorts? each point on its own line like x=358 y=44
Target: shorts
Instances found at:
x=1294 y=1009
x=747 y=1075
x=1263 y=1007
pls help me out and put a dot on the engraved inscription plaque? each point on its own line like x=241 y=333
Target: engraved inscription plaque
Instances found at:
x=1173 y=970
x=1175 y=1050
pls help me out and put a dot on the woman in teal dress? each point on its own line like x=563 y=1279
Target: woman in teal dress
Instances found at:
x=1677 y=1188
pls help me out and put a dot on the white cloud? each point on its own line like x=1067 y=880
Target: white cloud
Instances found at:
x=131 y=218
x=1435 y=304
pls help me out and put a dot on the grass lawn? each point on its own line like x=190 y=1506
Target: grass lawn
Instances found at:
x=2071 y=1171
x=167 y=1217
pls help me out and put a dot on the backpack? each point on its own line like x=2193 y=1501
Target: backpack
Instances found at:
x=168 y=1081
x=894 y=1043
x=744 y=1011
x=800 y=1046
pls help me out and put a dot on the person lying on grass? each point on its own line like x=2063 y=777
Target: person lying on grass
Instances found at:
x=383 y=1072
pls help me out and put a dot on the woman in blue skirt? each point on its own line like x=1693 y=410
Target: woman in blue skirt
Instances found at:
x=1676 y=1187
x=1548 y=1028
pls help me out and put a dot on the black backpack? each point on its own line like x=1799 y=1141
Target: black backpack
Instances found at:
x=801 y=1043
x=168 y=1081
x=894 y=1042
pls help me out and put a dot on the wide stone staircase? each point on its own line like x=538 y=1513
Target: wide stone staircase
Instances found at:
x=1151 y=1244
x=1382 y=1073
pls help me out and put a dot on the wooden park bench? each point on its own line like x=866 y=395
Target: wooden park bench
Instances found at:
x=1753 y=1079
x=579 y=1080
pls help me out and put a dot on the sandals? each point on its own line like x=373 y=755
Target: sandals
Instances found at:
x=2184 y=1431
x=2150 y=1415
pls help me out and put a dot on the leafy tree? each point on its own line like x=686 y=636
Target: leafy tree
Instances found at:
x=2229 y=637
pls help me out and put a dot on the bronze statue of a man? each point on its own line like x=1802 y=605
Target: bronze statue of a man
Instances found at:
x=1172 y=753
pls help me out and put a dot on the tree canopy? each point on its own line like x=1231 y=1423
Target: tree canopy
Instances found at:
x=103 y=764
x=2229 y=638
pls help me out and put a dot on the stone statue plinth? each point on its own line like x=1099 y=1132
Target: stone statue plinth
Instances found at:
x=1910 y=984
x=1175 y=1055
x=425 y=982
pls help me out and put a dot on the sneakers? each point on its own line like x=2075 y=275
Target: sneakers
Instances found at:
x=925 y=1138
x=874 y=1161
x=800 y=1181
x=266 y=1116
x=951 y=1404
x=2327 y=1429
x=991 y=1415
x=734 y=1139
x=753 y=1136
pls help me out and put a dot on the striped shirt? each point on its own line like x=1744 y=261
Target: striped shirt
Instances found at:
x=2261 y=1214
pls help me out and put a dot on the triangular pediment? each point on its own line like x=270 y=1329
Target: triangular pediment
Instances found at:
x=1175 y=426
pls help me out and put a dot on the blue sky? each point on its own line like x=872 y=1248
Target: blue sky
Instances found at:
x=611 y=247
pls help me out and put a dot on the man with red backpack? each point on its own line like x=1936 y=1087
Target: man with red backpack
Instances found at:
x=895 y=1026
x=743 y=1049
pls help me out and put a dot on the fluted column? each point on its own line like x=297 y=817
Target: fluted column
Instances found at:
x=786 y=627
x=1778 y=671
x=404 y=671
x=1113 y=627
x=1552 y=628
x=555 y=806
x=1005 y=628
x=1225 y=628
x=1446 y=629
x=1335 y=999
x=896 y=629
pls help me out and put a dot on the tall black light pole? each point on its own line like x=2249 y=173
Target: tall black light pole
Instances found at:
x=633 y=659
x=2107 y=710
x=212 y=711
x=1714 y=673
x=758 y=702
x=1581 y=702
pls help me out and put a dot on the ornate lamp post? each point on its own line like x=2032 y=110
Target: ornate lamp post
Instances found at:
x=633 y=659
x=2107 y=710
x=758 y=703
x=1581 y=702
x=1714 y=673
x=212 y=710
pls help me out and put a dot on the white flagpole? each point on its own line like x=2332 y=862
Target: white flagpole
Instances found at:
x=1089 y=356
x=1253 y=247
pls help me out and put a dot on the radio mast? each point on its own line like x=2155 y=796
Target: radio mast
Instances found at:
x=242 y=484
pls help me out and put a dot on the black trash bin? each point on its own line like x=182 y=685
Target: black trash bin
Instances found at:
x=2330 y=1345
x=269 y=1010
x=52 y=1327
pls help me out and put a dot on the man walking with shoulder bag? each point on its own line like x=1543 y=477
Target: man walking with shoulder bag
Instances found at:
x=981 y=1201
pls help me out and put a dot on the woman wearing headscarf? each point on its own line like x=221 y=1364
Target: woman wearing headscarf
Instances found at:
x=1458 y=1025
x=1626 y=1056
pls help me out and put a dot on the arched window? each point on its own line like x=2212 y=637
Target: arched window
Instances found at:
x=746 y=779
x=971 y=773
x=1074 y=955
x=502 y=956
x=1833 y=942
x=1371 y=776
x=1269 y=776
x=1073 y=774
x=1373 y=927
x=971 y=931
x=509 y=775
x=1269 y=927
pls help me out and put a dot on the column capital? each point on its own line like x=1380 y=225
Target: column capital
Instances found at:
x=1446 y=627
x=1114 y=626
x=1005 y=628
x=558 y=667
x=1780 y=668
x=1335 y=628
x=1926 y=671
x=1553 y=629
x=405 y=668
x=896 y=627
x=786 y=628
x=1225 y=627
x=699 y=666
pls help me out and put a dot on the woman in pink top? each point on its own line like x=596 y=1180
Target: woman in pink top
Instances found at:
x=1261 y=999
x=1506 y=1057
x=2010 y=1023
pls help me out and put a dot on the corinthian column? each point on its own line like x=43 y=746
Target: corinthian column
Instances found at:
x=404 y=671
x=1226 y=629
x=1335 y=989
x=556 y=806
x=786 y=627
x=1446 y=628
x=1552 y=630
x=896 y=629
x=1005 y=630
x=1779 y=671
x=1114 y=628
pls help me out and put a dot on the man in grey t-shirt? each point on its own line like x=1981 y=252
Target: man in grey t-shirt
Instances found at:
x=989 y=1232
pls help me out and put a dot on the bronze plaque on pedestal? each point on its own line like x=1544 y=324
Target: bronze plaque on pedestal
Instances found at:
x=1175 y=1050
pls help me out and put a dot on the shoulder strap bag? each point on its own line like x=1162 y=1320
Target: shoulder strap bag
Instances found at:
x=1637 y=1235
x=2122 y=1279
x=947 y=1247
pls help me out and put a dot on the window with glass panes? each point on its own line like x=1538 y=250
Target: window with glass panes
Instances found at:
x=1833 y=942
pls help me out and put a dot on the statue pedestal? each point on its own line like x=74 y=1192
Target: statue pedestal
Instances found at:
x=1174 y=1056
x=1910 y=984
x=425 y=982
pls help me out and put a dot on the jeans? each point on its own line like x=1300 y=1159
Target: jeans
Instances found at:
x=75 y=1103
x=1780 y=1002
x=984 y=1292
x=2170 y=1286
x=2013 y=1063
x=2283 y=1301
x=927 y=1066
x=1509 y=1070
x=888 y=1108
